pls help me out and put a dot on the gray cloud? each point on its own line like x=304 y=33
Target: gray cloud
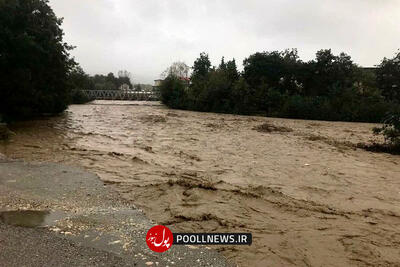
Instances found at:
x=144 y=37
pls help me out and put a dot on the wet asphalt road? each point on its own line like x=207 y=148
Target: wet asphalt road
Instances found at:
x=96 y=228
x=38 y=247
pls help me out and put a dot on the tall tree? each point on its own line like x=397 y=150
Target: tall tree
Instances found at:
x=388 y=78
x=34 y=60
x=232 y=71
x=329 y=74
x=275 y=69
x=177 y=69
x=79 y=80
x=124 y=77
x=222 y=65
x=201 y=66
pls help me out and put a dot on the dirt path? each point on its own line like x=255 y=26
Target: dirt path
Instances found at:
x=307 y=195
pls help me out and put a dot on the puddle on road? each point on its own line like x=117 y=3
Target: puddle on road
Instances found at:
x=31 y=218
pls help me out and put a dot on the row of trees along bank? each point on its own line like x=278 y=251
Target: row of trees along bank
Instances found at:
x=37 y=74
x=330 y=87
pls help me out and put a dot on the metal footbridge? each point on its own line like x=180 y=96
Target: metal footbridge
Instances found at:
x=121 y=95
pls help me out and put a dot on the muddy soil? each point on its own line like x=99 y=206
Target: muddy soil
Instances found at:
x=308 y=195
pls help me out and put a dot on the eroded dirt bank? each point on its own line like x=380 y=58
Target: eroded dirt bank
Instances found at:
x=300 y=187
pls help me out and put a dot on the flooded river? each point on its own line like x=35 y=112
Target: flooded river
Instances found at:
x=307 y=195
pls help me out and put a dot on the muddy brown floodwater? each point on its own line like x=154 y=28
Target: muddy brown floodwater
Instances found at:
x=308 y=196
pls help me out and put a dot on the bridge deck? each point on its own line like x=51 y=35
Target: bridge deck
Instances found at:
x=121 y=95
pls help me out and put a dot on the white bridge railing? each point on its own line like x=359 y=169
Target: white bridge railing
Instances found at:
x=121 y=95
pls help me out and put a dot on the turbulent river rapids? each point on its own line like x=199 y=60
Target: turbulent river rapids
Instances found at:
x=308 y=196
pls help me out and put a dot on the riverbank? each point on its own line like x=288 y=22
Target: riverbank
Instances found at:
x=52 y=214
x=303 y=188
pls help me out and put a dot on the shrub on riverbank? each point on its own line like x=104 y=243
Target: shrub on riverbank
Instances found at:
x=331 y=87
x=391 y=129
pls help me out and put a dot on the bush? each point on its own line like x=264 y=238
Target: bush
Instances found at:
x=390 y=129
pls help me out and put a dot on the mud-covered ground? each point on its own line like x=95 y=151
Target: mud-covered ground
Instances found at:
x=309 y=197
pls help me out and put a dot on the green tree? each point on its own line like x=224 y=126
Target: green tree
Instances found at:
x=34 y=60
x=221 y=82
x=198 y=92
x=201 y=67
x=243 y=98
x=173 y=92
x=232 y=72
x=328 y=74
x=79 y=80
x=265 y=67
x=388 y=78
x=274 y=69
x=110 y=82
x=331 y=87
x=216 y=96
x=366 y=82
x=222 y=65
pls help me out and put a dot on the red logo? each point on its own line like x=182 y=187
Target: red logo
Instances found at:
x=159 y=238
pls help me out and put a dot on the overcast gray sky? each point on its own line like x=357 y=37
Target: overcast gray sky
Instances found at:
x=146 y=36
